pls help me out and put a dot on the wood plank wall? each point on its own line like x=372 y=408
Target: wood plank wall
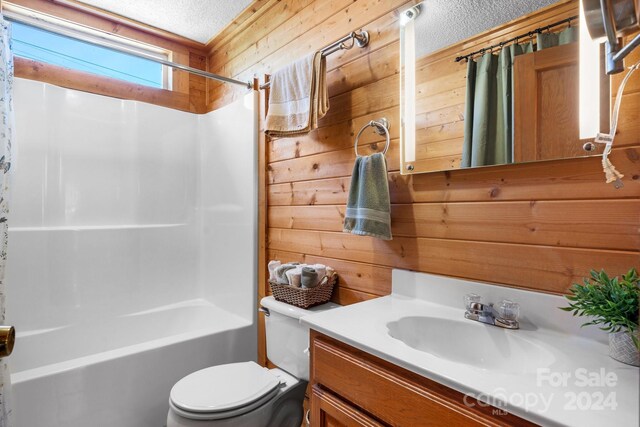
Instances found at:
x=539 y=226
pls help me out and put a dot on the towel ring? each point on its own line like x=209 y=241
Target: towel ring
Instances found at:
x=381 y=127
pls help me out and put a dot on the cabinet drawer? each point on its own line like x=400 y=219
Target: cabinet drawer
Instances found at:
x=328 y=410
x=392 y=394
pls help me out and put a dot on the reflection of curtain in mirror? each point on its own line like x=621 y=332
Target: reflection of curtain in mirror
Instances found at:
x=488 y=119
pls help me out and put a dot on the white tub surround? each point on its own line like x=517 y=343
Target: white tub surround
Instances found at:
x=122 y=378
x=124 y=237
x=550 y=371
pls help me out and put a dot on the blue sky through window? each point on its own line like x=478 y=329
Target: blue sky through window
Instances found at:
x=44 y=46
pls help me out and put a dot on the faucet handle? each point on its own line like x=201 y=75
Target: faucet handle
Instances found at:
x=470 y=299
x=509 y=310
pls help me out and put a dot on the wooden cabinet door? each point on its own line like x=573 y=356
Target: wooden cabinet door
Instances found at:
x=545 y=105
x=329 y=411
x=353 y=388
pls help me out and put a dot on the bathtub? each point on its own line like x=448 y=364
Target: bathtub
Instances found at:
x=129 y=264
x=123 y=371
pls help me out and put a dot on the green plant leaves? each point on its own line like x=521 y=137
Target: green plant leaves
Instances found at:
x=612 y=302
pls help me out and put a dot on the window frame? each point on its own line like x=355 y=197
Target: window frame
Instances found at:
x=92 y=36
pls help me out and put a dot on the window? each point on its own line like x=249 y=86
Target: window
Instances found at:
x=64 y=44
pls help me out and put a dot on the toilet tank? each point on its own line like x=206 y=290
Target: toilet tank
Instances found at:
x=287 y=339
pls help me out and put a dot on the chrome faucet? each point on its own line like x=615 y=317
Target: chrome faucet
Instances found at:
x=506 y=316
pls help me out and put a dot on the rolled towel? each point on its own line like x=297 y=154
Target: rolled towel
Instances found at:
x=295 y=277
x=321 y=269
x=272 y=269
x=309 y=277
x=330 y=271
x=281 y=271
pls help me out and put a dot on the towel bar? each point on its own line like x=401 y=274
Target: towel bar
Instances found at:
x=381 y=127
x=360 y=39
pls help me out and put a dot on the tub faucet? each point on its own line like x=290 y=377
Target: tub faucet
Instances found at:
x=505 y=317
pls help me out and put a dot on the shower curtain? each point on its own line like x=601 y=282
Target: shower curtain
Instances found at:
x=488 y=118
x=6 y=139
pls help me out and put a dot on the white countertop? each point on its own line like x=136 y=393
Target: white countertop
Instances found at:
x=540 y=396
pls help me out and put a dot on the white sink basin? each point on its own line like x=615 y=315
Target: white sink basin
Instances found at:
x=421 y=327
x=472 y=343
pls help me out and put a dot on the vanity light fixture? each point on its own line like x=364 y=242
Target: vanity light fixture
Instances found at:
x=408 y=79
x=589 y=97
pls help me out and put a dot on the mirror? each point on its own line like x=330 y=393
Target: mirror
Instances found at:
x=496 y=82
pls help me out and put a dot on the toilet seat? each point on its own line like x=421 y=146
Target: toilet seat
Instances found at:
x=223 y=391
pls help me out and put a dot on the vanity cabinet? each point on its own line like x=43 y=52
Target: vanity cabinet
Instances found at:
x=331 y=411
x=350 y=387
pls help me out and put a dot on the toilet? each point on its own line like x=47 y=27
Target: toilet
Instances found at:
x=247 y=394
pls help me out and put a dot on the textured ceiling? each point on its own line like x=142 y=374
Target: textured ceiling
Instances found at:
x=445 y=22
x=194 y=19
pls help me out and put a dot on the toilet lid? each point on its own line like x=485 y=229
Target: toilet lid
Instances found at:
x=223 y=388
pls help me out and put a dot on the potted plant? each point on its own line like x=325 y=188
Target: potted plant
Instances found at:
x=613 y=304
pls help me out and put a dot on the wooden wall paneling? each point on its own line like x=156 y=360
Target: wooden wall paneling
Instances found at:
x=312 y=28
x=285 y=32
x=335 y=137
x=197 y=85
x=378 y=65
x=629 y=117
x=180 y=79
x=538 y=226
x=238 y=36
x=596 y=224
x=542 y=268
x=359 y=70
x=568 y=179
x=249 y=16
x=379 y=95
x=326 y=165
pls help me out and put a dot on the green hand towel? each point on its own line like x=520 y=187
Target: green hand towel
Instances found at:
x=368 y=206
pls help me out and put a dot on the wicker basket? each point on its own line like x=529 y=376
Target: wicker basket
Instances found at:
x=304 y=297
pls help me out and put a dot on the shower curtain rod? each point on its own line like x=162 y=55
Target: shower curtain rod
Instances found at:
x=360 y=39
x=104 y=43
x=516 y=38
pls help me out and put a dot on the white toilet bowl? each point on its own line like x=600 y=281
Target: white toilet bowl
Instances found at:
x=246 y=394
x=238 y=395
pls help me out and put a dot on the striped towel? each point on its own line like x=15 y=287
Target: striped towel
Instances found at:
x=298 y=97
